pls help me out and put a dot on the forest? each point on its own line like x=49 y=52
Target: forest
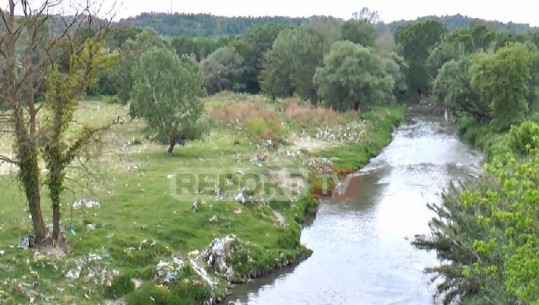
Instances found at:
x=163 y=67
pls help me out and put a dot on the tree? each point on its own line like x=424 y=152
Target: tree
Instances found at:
x=223 y=70
x=416 y=41
x=33 y=50
x=166 y=93
x=291 y=72
x=452 y=89
x=353 y=75
x=59 y=147
x=441 y=54
x=359 y=31
x=502 y=79
x=129 y=55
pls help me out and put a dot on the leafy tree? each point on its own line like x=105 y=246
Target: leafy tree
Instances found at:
x=166 y=93
x=353 y=75
x=291 y=72
x=260 y=40
x=120 y=34
x=441 y=54
x=59 y=147
x=486 y=234
x=223 y=70
x=359 y=31
x=416 y=41
x=200 y=47
x=452 y=89
x=129 y=55
x=396 y=66
x=502 y=79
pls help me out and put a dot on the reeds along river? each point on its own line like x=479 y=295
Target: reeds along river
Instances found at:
x=362 y=253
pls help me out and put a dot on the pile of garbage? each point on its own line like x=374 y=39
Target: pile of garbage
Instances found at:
x=168 y=272
x=86 y=203
x=218 y=252
x=92 y=268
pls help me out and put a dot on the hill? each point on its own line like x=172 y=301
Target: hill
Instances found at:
x=458 y=21
x=203 y=25
x=207 y=25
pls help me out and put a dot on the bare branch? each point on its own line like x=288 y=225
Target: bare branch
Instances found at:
x=5 y=159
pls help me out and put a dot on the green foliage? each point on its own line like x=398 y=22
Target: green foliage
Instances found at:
x=205 y=25
x=525 y=138
x=441 y=54
x=264 y=129
x=130 y=53
x=416 y=42
x=502 y=80
x=166 y=93
x=353 y=75
x=452 y=89
x=287 y=72
x=200 y=47
x=223 y=70
x=359 y=31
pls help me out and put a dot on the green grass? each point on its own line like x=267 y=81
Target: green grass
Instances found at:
x=140 y=222
x=482 y=136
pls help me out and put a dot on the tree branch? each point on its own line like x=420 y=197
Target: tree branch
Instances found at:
x=5 y=159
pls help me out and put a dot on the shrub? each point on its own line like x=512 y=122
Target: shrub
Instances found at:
x=525 y=138
x=305 y=115
x=258 y=128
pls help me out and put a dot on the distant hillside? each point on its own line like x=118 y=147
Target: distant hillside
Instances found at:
x=203 y=25
x=459 y=21
x=206 y=25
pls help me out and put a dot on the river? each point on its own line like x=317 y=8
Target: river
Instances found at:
x=362 y=252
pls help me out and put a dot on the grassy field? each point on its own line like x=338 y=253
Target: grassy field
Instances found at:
x=142 y=220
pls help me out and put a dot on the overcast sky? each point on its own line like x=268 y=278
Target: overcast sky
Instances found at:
x=521 y=11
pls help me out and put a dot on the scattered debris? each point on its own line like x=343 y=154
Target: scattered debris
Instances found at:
x=195 y=207
x=217 y=253
x=320 y=165
x=27 y=242
x=241 y=195
x=86 y=203
x=168 y=271
x=213 y=219
x=90 y=227
x=279 y=218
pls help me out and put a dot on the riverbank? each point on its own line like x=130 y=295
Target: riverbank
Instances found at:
x=138 y=238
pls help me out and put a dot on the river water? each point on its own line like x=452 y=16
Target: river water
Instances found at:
x=361 y=242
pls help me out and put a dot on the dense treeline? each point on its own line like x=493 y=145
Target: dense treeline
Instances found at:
x=458 y=21
x=486 y=231
x=206 y=25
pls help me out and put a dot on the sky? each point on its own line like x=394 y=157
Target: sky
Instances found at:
x=519 y=11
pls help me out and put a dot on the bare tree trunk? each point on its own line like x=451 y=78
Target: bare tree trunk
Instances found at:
x=25 y=149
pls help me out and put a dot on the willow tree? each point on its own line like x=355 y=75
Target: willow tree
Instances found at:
x=32 y=47
x=502 y=80
x=166 y=93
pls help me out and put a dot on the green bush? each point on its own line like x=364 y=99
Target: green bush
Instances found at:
x=264 y=128
x=525 y=138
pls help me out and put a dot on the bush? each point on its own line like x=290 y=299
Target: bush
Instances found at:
x=525 y=138
x=258 y=128
x=305 y=115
